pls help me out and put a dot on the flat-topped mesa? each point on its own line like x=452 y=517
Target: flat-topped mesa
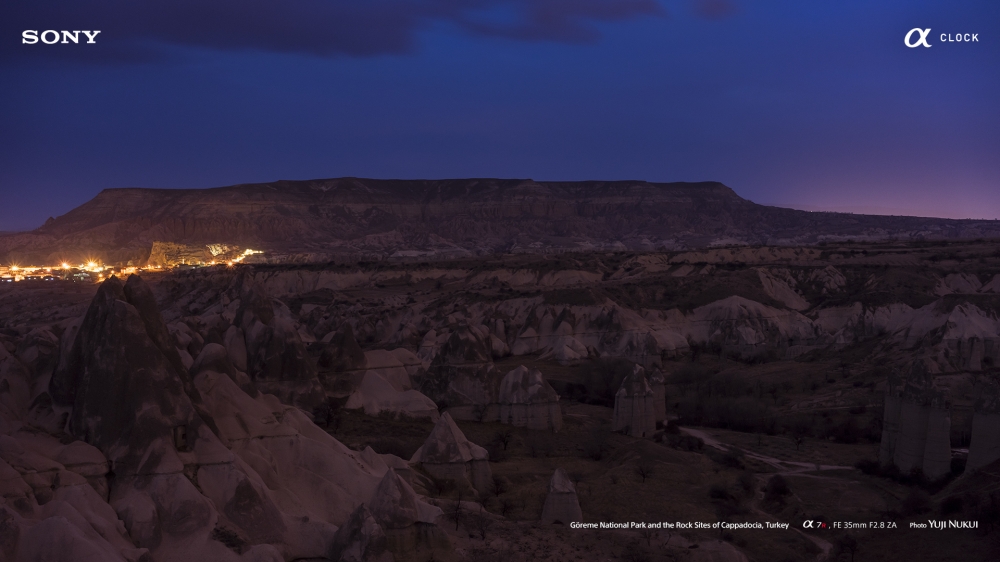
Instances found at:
x=561 y=504
x=448 y=455
x=320 y=220
x=984 y=446
x=635 y=410
x=916 y=428
x=527 y=400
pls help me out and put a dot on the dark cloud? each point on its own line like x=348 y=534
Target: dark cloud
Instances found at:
x=318 y=27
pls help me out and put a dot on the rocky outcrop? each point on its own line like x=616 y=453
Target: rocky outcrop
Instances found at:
x=561 y=504
x=276 y=356
x=360 y=539
x=172 y=463
x=658 y=384
x=342 y=355
x=527 y=400
x=984 y=446
x=635 y=408
x=462 y=377
x=448 y=455
x=375 y=395
x=409 y=524
x=916 y=429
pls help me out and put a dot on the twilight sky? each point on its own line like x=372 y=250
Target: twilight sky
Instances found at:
x=812 y=105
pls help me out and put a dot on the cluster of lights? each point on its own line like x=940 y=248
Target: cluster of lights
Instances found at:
x=93 y=266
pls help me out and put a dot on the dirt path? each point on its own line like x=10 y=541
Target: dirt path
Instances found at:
x=783 y=467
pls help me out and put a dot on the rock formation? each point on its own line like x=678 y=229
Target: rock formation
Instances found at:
x=462 y=376
x=320 y=220
x=448 y=455
x=375 y=395
x=635 y=408
x=657 y=382
x=526 y=400
x=984 y=446
x=173 y=463
x=409 y=524
x=561 y=504
x=360 y=539
x=276 y=356
x=916 y=428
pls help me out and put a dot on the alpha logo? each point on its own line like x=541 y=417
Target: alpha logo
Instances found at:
x=922 y=40
x=812 y=524
x=51 y=36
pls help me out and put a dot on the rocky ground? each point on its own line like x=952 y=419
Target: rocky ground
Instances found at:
x=205 y=413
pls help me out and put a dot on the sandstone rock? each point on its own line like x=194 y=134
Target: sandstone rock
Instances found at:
x=166 y=434
x=526 y=400
x=342 y=354
x=916 y=429
x=276 y=356
x=462 y=376
x=635 y=408
x=984 y=446
x=958 y=283
x=561 y=504
x=409 y=524
x=375 y=395
x=448 y=455
x=657 y=382
x=360 y=539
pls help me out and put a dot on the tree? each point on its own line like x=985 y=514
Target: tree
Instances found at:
x=498 y=486
x=457 y=514
x=644 y=469
x=482 y=523
x=478 y=412
x=503 y=438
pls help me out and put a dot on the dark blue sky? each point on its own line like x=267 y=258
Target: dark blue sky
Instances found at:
x=805 y=104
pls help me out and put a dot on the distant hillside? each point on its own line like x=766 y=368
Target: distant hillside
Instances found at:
x=318 y=220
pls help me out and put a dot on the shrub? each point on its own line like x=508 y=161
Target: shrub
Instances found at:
x=776 y=489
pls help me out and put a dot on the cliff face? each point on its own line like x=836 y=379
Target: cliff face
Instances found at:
x=350 y=217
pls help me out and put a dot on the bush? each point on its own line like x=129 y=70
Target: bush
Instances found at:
x=776 y=489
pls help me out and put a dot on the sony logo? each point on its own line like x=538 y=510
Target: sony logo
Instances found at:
x=51 y=36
